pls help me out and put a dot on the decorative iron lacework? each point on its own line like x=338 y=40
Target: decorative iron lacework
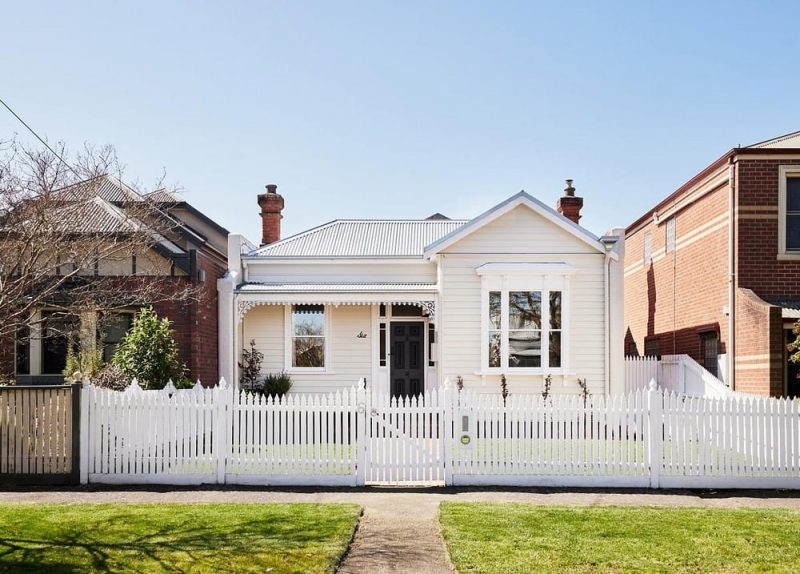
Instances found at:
x=245 y=305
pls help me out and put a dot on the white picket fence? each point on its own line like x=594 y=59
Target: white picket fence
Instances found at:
x=646 y=438
x=639 y=371
x=677 y=373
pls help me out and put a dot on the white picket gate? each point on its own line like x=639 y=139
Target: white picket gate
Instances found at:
x=355 y=437
x=404 y=439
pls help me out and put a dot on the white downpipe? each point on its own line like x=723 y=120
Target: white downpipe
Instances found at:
x=607 y=322
x=731 y=351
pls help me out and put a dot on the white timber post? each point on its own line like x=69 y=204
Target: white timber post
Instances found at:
x=447 y=437
x=361 y=431
x=222 y=422
x=86 y=389
x=227 y=324
x=654 y=432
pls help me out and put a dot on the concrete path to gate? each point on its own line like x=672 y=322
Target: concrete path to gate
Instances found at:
x=399 y=531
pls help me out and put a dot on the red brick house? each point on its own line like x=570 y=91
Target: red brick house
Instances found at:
x=713 y=270
x=195 y=254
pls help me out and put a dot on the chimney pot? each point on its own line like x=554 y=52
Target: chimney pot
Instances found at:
x=569 y=205
x=271 y=204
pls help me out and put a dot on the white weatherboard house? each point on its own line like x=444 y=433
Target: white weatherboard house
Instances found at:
x=520 y=290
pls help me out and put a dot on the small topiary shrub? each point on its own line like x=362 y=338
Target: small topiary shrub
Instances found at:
x=277 y=384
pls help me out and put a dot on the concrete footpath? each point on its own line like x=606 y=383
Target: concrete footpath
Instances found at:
x=399 y=531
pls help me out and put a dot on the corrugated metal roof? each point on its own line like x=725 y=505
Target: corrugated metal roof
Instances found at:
x=333 y=287
x=164 y=196
x=787 y=141
x=105 y=186
x=790 y=307
x=363 y=238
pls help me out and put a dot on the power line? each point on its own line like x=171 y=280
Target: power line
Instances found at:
x=44 y=143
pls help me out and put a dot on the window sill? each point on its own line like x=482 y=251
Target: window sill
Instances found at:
x=521 y=372
x=789 y=256
x=309 y=371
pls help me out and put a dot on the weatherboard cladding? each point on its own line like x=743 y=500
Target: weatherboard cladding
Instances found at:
x=362 y=238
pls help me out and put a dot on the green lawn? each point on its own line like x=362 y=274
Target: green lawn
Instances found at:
x=527 y=538
x=58 y=539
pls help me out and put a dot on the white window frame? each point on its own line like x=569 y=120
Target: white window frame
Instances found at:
x=647 y=248
x=288 y=345
x=785 y=172
x=505 y=282
x=670 y=235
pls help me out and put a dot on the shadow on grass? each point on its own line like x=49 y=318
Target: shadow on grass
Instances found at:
x=165 y=538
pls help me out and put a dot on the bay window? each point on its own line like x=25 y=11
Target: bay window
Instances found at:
x=525 y=317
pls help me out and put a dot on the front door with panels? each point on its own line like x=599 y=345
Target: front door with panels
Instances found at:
x=407 y=371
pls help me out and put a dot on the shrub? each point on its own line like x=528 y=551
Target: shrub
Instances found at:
x=504 y=388
x=250 y=367
x=149 y=352
x=548 y=384
x=277 y=384
x=85 y=363
x=111 y=377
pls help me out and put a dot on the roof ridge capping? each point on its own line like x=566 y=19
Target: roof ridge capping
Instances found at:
x=520 y=198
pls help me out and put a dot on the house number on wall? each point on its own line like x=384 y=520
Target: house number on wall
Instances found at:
x=361 y=335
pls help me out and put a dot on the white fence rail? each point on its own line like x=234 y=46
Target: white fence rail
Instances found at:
x=354 y=437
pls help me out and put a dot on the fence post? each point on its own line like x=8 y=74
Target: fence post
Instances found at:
x=224 y=401
x=361 y=432
x=655 y=432
x=83 y=433
x=446 y=397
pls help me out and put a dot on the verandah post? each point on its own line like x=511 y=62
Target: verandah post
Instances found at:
x=361 y=417
x=654 y=432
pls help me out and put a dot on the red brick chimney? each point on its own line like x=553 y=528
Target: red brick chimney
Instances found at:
x=570 y=206
x=271 y=207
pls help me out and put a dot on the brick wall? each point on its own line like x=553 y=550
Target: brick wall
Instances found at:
x=195 y=323
x=760 y=364
x=757 y=229
x=682 y=293
x=669 y=302
x=759 y=338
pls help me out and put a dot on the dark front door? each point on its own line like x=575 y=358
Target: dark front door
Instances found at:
x=407 y=372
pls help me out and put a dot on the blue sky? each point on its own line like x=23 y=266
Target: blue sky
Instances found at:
x=402 y=109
